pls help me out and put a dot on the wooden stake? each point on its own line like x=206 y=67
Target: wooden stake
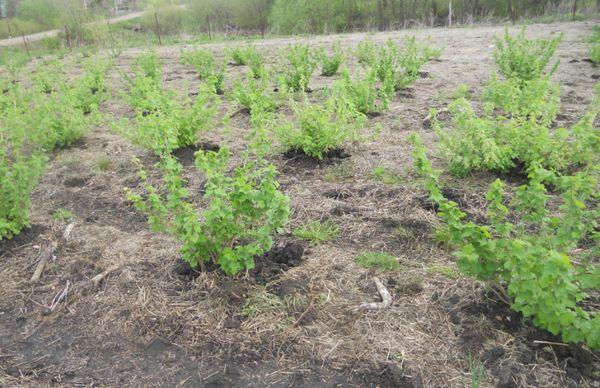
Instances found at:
x=45 y=255
x=209 y=32
x=157 y=28
x=450 y=14
x=26 y=46
x=68 y=38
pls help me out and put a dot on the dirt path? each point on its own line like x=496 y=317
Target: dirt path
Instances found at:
x=289 y=322
x=52 y=33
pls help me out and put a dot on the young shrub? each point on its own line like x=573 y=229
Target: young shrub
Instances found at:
x=331 y=64
x=537 y=100
x=302 y=64
x=20 y=169
x=525 y=59
x=90 y=90
x=256 y=63
x=48 y=77
x=317 y=232
x=532 y=254
x=248 y=56
x=171 y=124
x=364 y=93
x=145 y=89
x=475 y=143
x=245 y=208
x=148 y=65
x=238 y=55
x=207 y=67
x=57 y=120
x=255 y=95
x=378 y=260
x=487 y=142
x=366 y=53
x=400 y=66
x=319 y=128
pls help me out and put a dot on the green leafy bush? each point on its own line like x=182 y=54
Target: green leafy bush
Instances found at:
x=379 y=260
x=400 y=65
x=331 y=64
x=172 y=124
x=148 y=65
x=245 y=207
x=249 y=56
x=522 y=58
x=302 y=64
x=90 y=90
x=255 y=95
x=537 y=99
x=319 y=128
x=497 y=143
x=535 y=255
x=20 y=168
x=364 y=93
x=317 y=232
x=207 y=67
x=366 y=53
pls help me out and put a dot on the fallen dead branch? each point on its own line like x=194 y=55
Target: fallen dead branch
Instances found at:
x=44 y=256
x=95 y=281
x=48 y=253
x=68 y=230
x=386 y=298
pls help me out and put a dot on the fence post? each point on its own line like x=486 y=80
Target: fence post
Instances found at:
x=26 y=46
x=209 y=32
x=157 y=28
x=68 y=38
x=450 y=14
x=574 y=9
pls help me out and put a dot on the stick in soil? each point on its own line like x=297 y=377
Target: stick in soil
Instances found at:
x=43 y=259
x=386 y=298
x=95 y=281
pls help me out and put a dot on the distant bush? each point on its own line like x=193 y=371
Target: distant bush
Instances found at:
x=331 y=64
x=302 y=64
x=522 y=58
x=207 y=67
x=319 y=128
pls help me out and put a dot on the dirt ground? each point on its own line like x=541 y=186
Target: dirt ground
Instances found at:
x=292 y=321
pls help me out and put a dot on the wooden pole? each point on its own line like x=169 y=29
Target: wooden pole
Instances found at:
x=8 y=25
x=157 y=28
x=450 y=14
x=112 y=38
x=209 y=32
x=68 y=38
x=26 y=46
x=574 y=9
